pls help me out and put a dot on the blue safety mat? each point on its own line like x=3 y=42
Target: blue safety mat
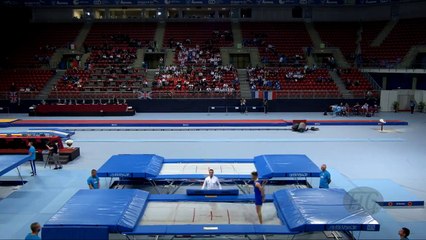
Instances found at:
x=308 y=210
x=149 y=166
x=274 y=166
x=132 y=166
x=9 y=162
x=300 y=210
x=119 y=210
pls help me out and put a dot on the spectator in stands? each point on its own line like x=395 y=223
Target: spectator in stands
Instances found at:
x=35 y=230
x=93 y=180
x=270 y=48
x=404 y=233
x=308 y=51
x=211 y=181
x=356 y=83
x=325 y=177
x=13 y=87
x=364 y=108
x=357 y=108
x=265 y=106
x=54 y=151
x=412 y=106
x=32 y=155
x=243 y=107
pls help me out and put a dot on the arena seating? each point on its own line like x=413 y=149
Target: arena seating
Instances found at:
x=342 y=35
x=197 y=33
x=28 y=82
x=110 y=71
x=201 y=39
x=213 y=81
x=356 y=82
x=287 y=38
x=109 y=33
x=99 y=83
x=397 y=43
x=42 y=41
x=312 y=83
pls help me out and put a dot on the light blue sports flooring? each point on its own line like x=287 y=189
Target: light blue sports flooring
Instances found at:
x=351 y=152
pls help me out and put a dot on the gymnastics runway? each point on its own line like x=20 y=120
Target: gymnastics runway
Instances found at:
x=193 y=123
x=351 y=152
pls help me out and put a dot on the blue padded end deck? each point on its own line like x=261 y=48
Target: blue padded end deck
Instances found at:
x=132 y=165
x=285 y=165
x=73 y=233
x=308 y=210
x=219 y=192
x=118 y=210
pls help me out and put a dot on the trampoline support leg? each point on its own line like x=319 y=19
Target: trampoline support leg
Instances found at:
x=20 y=176
x=242 y=189
x=155 y=186
x=177 y=188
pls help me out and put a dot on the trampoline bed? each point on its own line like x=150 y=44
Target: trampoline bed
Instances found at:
x=191 y=169
x=172 y=213
x=95 y=214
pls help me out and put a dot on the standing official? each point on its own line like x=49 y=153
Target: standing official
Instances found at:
x=211 y=182
x=325 y=177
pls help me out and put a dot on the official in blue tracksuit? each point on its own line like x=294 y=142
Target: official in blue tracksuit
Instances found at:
x=35 y=230
x=259 y=195
x=404 y=233
x=32 y=153
x=325 y=177
x=93 y=180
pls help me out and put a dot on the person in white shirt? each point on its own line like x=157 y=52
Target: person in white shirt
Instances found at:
x=211 y=182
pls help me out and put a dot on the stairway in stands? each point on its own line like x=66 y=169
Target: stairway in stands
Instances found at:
x=159 y=34
x=244 y=84
x=313 y=34
x=341 y=85
x=384 y=33
x=237 y=34
x=43 y=95
x=150 y=76
x=78 y=43
x=140 y=54
x=84 y=32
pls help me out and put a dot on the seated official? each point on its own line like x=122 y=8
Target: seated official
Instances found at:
x=211 y=182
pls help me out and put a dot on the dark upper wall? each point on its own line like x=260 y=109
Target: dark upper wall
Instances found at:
x=400 y=80
x=281 y=13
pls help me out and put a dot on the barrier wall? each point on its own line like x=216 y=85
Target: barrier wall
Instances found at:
x=198 y=105
x=403 y=97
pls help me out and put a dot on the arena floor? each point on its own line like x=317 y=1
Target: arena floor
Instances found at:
x=351 y=153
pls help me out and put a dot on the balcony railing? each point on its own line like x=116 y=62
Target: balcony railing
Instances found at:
x=281 y=94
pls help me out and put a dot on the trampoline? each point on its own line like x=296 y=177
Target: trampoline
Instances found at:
x=9 y=162
x=96 y=214
x=177 y=172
